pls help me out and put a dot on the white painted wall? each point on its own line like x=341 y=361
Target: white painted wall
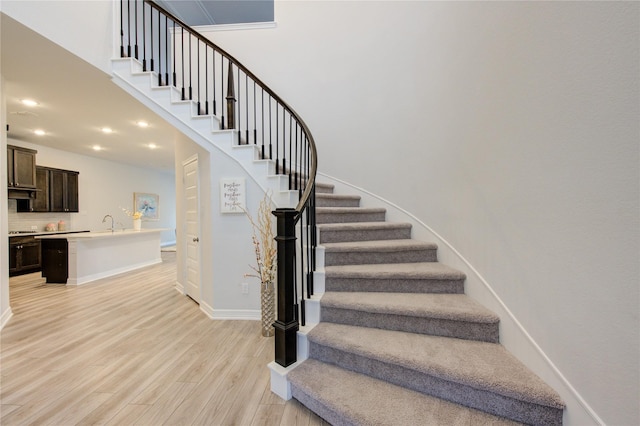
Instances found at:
x=511 y=129
x=5 y=308
x=225 y=241
x=516 y=121
x=104 y=188
x=54 y=18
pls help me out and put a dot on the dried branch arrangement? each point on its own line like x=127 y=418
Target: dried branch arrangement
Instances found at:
x=264 y=243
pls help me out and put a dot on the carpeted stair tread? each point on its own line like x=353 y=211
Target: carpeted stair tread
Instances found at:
x=450 y=315
x=379 y=245
x=349 y=214
x=324 y=188
x=343 y=397
x=479 y=365
x=363 y=231
x=379 y=251
x=412 y=271
x=455 y=307
x=419 y=277
x=337 y=200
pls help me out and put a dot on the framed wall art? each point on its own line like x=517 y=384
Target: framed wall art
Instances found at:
x=147 y=204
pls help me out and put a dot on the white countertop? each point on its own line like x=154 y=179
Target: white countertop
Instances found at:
x=99 y=234
x=38 y=233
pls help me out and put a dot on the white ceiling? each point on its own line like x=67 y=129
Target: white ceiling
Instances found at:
x=76 y=100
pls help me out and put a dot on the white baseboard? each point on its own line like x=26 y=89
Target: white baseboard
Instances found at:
x=208 y=310
x=235 y=314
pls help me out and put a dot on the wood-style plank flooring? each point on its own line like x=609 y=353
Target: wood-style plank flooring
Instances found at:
x=130 y=350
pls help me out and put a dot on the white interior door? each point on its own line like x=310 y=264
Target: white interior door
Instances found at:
x=192 y=229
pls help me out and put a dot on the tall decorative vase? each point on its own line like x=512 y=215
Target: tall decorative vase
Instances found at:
x=137 y=224
x=268 y=302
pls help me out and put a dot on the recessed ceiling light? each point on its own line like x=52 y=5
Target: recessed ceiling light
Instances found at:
x=39 y=132
x=142 y=123
x=107 y=130
x=97 y=148
x=29 y=102
x=152 y=146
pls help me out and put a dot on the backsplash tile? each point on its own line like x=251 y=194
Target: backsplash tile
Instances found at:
x=24 y=221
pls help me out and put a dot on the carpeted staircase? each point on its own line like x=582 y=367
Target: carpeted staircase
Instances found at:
x=399 y=343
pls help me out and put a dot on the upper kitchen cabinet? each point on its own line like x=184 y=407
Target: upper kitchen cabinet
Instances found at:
x=41 y=202
x=57 y=191
x=21 y=168
x=63 y=191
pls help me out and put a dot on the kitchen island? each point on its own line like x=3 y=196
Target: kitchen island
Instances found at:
x=76 y=259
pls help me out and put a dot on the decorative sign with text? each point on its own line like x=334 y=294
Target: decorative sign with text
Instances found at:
x=233 y=196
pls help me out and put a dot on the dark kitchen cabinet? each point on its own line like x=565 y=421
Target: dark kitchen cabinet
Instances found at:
x=57 y=192
x=39 y=203
x=21 y=167
x=21 y=172
x=63 y=191
x=55 y=264
x=24 y=255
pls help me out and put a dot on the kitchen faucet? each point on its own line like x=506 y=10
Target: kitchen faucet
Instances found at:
x=104 y=219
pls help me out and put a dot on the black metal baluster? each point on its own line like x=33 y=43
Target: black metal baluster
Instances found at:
x=128 y=28
x=198 y=75
x=222 y=122
x=270 y=134
x=277 y=142
x=239 y=113
x=159 y=46
x=151 y=37
x=213 y=81
x=303 y=161
x=296 y=178
x=291 y=158
x=166 y=50
x=121 y=29
x=173 y=70
x=255 y=125
x=189 y=66
x=182 y=52
x=284 y=141
x=144 y=39
x=308 y=252
x=135 y=11
x=262 y=119
x=246 y=105
x=314 y=243
x=206 y=80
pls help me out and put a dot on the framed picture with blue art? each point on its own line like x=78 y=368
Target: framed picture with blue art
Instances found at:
x=147 y=204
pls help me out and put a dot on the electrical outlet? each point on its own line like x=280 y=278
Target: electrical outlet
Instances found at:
x=245 y=288
x=34 y=227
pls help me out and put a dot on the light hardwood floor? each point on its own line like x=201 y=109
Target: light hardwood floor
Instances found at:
x=130 y=350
